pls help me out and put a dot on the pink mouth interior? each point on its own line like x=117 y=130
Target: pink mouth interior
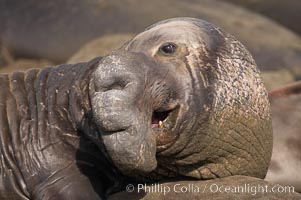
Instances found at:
x=159 y=116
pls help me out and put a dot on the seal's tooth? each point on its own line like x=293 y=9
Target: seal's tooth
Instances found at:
x=160 y=124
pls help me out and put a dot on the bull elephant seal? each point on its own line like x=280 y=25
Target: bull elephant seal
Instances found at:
x=183 y=99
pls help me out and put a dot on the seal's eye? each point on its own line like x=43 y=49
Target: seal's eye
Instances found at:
x=168 y=48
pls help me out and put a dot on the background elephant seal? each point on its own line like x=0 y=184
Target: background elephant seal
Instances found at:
x=183 y=99
x=100 y=46
x=286 y=158
x=5 y=57
x=25 y=64
x=72 y=24
x=286 y=13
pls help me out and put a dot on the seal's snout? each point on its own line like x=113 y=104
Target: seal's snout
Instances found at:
x=116 y=88
x=116 y=82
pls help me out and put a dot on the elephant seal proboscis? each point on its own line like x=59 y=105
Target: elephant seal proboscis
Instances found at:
x=183 y=99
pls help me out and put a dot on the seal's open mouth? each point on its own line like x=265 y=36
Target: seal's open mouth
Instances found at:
x=158 y=118
x=163 y=122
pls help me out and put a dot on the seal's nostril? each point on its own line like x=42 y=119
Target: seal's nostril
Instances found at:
x=115 y=85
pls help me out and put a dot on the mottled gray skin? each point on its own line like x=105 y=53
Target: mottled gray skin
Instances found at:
x=80 y=131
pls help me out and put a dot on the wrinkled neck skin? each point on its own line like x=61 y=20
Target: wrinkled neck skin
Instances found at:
x=43 y=115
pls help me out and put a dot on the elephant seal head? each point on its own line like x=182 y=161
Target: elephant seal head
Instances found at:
x=182 y=98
